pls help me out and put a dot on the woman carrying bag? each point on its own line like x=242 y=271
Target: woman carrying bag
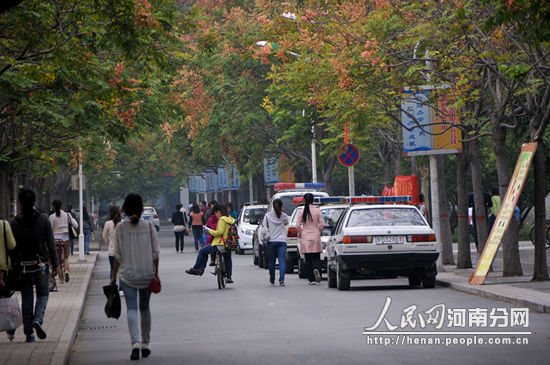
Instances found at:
x=309 y=225
x=136 y=263
x=276 y=220
x=178 y=220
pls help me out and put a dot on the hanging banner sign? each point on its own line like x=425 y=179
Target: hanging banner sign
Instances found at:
x=211 y=181
x=223 y=178
x=414 y=115
x=200 y=182
x=505 y=214
x=446 y=137
x=192 y=184
x=271 y=171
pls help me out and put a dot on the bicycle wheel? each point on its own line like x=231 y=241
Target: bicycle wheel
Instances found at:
x=532 y=234
x=219 y=270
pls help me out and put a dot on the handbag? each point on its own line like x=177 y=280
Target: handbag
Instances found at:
x=155 y=285
x=12 y=277
x=113 y=306
x=10 y=314
x=179 y=228
x=72 y=231
x=265 y=234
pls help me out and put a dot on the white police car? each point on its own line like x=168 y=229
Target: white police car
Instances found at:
x=248 y=220
x=286 y=192
x=381 y=241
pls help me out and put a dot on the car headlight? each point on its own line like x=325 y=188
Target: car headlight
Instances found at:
x=248 y=232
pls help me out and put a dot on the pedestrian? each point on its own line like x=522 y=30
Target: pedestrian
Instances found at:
x=204 y=209
x=309 y=225
x=195 y=223
x=422 y=206
x=185 y=218
x=7 y=247
x=210 y=210
x=33 y=233
x=70 y=211
x=109 y=234
x=213 y=225
x=87 y=229
x=220 y=235
x=275 y=221
x=60 y=226
x=495 y=200
x=178 y=220
x=136 y=263
x=488 y=204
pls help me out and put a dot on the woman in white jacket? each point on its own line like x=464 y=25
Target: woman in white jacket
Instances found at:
x=109 y=234
x=275 y=221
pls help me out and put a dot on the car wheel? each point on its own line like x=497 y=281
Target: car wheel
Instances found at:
x=289 y=268
x=428 y=278
x=302 y=274
x=415 y=278
x=342 y=283
x=331 y=278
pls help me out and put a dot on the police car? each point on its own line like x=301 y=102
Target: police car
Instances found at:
x=381 y=237
x=286 y=192
x=332 y=209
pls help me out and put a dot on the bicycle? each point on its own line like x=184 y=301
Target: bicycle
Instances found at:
x=547 y=235
x=219 y=264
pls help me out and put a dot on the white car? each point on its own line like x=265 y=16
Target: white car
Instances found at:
x=290 y=192
x=382 y=241
x=331 y=214
x=248 y=220
x=150 y=215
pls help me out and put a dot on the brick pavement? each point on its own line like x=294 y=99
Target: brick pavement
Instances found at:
x=60 y=323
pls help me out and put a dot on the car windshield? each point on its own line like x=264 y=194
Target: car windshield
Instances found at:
x=295 y=216
x=331 y=215
x=385 y=217
x=254 y=214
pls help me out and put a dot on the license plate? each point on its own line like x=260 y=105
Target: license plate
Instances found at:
x=388 y=239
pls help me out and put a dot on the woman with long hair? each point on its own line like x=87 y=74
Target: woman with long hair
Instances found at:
x=109 y=234
x=178 y=220
x=136 y=263
x=310 y=224
x=276 y=220
x=60 y=226
x=196 y=225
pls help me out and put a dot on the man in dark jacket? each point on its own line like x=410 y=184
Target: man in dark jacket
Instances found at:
x=35 y=252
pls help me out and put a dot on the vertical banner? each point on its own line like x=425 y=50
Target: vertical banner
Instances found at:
x=446 y=137
x=406 y=185
x=415 y=112
x=201 y=183
x=234 y=178
x=505 y=214
x=192 y=184
x=271 y=173
x=223 y=178
x=211 y=181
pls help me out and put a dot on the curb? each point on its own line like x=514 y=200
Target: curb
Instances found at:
x=63 y=349
x=498 y=292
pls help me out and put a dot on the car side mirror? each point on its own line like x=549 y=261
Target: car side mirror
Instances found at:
x=327 y=232
x=254 y=222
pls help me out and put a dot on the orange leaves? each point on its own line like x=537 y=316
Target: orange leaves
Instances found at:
x=371 y=48
x=142 y=14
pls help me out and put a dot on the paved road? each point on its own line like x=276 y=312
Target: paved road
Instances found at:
x=251 y=322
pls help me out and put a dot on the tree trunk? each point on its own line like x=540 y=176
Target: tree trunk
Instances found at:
x=444 y=224
x=4 y=188
x=464 y=259
x=425 y=189
x=540 y=270
x=397 y=159
x=414 y=166
x=327 y=174
x=511 y=264
x=479 y=199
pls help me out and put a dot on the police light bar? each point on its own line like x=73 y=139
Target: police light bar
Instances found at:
x=287 y=186
x=379 y=199
x=330 y=200
x=299 y=200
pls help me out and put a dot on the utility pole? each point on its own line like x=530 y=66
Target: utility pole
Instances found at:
x=81 y=257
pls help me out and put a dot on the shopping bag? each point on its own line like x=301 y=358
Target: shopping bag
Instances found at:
x=112 y=307
x=10 y=314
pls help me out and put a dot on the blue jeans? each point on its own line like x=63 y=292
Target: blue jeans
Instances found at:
x=87 y=236
x=197 y=235
x=277 y=250
x=202 y=259
x=131 y=297
x=40 y=279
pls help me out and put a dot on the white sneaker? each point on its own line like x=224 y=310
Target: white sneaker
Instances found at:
x=312 y=283
x=121 y=293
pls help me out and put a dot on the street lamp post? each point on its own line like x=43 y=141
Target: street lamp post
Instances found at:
x=81 y=257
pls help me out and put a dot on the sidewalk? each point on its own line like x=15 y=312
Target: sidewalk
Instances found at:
x=60 y=323
x=518 y=290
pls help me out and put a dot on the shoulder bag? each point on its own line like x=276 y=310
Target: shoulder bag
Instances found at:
x=265 y=234
x=11 y=278
x=155 y=285
x=72 y=232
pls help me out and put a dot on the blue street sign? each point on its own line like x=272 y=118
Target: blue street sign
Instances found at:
x=349 y=155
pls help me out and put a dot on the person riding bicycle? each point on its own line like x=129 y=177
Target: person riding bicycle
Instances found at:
x=220 y=234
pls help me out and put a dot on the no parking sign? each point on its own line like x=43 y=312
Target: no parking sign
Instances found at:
x=349 y=155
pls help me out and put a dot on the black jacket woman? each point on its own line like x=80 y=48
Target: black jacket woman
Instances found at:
x=178 y=220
